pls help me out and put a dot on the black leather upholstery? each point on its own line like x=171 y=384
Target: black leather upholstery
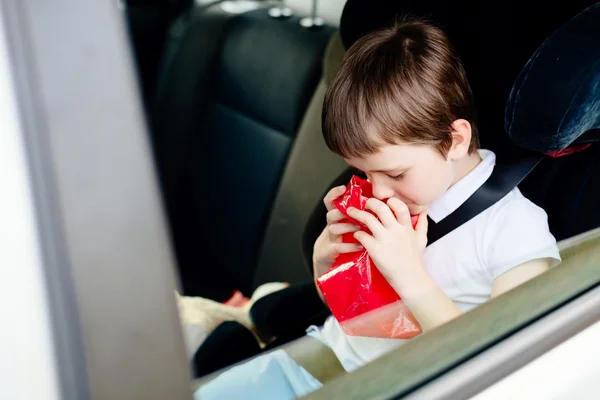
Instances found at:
x=556 y=102
x=228 y=111
x=568 y=189
x=148 y=21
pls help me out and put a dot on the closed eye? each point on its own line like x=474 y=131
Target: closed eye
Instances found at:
x=398 y=177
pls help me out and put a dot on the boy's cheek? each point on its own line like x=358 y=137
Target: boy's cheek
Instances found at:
x=431 y=195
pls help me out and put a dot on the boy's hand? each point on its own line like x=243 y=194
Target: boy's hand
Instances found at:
x=395 y=247
x=329 y=244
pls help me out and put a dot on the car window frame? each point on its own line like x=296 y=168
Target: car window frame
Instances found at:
x=108 y=269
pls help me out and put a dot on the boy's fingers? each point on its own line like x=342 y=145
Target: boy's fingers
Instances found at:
x=343 y=248
x=340 y=229
x=367 y=219
x=334 y=216
x=383 y=212
x=366 y=240
x=332 y=195
x=400 y=210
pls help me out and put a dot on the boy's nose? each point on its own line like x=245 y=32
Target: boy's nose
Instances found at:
x=382 y=192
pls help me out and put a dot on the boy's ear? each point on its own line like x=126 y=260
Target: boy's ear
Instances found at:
x=461 y=139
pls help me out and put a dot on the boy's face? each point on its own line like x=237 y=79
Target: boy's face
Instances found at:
x=416 y=174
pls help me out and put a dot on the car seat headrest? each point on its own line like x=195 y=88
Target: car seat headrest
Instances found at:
x=555 y=101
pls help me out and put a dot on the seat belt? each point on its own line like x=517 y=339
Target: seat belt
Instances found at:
x=503 y=179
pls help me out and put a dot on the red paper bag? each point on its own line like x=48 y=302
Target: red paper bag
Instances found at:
x=354 y=287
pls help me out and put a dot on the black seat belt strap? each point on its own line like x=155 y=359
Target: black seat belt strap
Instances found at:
x=504 y=178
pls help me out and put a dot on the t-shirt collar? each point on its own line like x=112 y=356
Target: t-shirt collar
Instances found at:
x=463 y=189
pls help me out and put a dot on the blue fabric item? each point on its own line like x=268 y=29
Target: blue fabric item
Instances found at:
x=556 y=98
x=273 y=376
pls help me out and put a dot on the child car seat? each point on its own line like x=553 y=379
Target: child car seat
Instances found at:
x=539 y=121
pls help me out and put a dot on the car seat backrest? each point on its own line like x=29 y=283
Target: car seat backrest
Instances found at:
x=555 y=105
x=241 y=112
x=183 y=89
x=310 y=168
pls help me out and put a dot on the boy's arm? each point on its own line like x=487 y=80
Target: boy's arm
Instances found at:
x=397 y=250
x=432 y=307
x=520 y=274
x=425 y=299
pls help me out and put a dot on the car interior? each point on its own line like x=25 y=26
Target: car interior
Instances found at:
x=216 y=97
x=229 y=127
x=196 y=88
x=231 y=97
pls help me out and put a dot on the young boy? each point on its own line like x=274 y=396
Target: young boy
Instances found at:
x=400 y=110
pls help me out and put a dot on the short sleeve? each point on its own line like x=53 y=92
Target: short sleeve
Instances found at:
x=518 y=233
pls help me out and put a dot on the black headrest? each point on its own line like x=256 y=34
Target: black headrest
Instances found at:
x=556 y=99
x=258 y=58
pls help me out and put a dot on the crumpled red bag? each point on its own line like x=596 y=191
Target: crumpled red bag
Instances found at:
x=359 y=297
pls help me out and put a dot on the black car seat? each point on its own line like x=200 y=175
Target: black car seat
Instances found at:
x=148 y=22
x=227 y=112
x=495 y=41
x=310 y=168
x=554 y=108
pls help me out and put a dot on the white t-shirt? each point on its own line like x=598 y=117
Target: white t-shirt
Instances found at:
x=465 y=262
